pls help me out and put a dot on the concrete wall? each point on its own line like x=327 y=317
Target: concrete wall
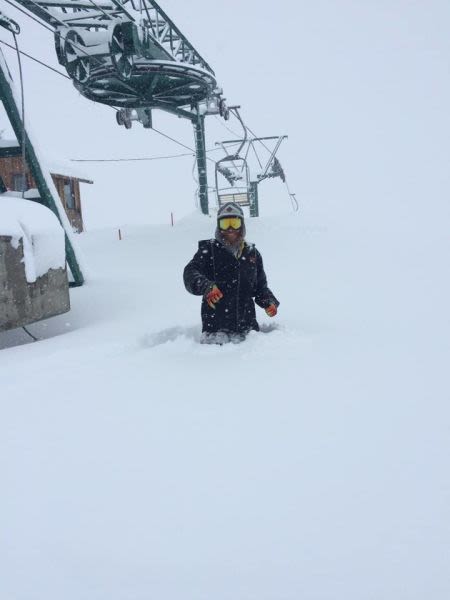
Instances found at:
x=22 y=302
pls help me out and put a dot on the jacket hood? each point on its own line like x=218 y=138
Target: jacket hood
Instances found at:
x=230 y=209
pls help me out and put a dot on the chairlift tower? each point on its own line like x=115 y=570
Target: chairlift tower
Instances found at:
x=129 y=54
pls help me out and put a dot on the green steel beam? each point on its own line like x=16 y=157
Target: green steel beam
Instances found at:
x=174 y=110
x=254 y=204
x=200 y=148
x=12 y=110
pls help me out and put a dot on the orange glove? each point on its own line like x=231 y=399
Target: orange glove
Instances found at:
x=213 y=296
x=271 y=310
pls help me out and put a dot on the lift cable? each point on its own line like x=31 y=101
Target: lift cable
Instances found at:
x=174 y=140
x=181 y=144
x=35 y=339
x=142 y=158
x=256 y=154
x=28 y=15
x=101 y=9
x=245 y=157
x=235 y=112
x=108 y=160
x=49 y=13
x=22 y=94
x=226 y=127
x=258 y=139
x=36 y=60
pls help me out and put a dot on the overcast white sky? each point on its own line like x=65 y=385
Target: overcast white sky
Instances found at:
x=361 y=88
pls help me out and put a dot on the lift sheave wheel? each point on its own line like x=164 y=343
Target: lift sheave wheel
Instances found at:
x=122 y=52
x=76 y=60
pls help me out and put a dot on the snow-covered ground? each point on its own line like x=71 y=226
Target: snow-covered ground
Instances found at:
x=310 y=461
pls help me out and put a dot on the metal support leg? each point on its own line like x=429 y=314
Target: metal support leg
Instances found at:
x=254 y=205
x=7 y=97
x=200 y=147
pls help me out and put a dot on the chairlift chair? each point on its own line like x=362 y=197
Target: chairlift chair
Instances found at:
x=234 y=170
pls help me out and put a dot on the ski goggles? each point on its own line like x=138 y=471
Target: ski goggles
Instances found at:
x=230 y=222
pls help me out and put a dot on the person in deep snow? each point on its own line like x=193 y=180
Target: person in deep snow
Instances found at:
x=228 y=272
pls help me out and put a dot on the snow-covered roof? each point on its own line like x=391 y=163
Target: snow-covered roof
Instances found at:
x=9 y=144
x=40 y=231
x=66 y=168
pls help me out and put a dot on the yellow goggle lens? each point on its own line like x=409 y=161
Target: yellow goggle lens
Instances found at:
x=233 y=222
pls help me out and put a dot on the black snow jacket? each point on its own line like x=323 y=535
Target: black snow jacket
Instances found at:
x=239 y=279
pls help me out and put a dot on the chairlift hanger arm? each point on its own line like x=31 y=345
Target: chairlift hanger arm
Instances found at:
x=272 y=137
x=79 y=4
x=229 y=157
x=235 y=111
x=272 y=156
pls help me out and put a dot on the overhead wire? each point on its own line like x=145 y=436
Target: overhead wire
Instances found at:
x=245 y=158
x=23 y=132
x=173 y=139
x=144 y=158
x=36 y=60
x=35 y=339
x=226 y=126
x=140 y=158
x=28 y=15
x=256 y=154
x=100 y=9
x=49 y=13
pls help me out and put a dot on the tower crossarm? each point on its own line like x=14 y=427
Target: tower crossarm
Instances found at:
x=155 y=27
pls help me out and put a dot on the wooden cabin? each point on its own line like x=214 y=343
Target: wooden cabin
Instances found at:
x=65 y=177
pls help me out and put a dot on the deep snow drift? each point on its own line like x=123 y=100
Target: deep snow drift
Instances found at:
x=307 y=462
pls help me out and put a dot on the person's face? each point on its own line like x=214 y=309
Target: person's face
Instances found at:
x=231 y=236
x=231 y=229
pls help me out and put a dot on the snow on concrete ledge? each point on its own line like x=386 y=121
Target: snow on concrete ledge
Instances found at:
x=40 y=231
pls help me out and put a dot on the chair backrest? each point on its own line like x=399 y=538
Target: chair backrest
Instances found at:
x=241 y=198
